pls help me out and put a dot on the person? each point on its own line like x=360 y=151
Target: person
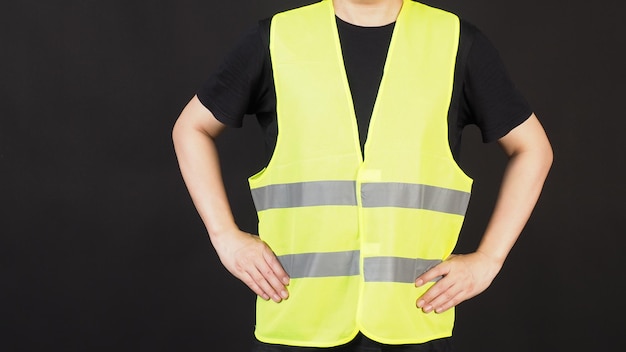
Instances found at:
x=362 y=104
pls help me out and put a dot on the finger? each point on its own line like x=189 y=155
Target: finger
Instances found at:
x=452 y=301
x=249 y=281
x=277 y=268
x=446 y=299
x=433 y=274
x=426 y=300
x=274 y=281
x=267 y=288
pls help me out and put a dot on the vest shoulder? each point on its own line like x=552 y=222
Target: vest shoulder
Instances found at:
x=303 y=12
x=432 y=11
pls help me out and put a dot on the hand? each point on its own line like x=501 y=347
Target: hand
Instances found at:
x=252 y=261
x=463 y=277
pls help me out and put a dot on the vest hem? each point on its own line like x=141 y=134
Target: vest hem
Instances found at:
x=404 y=341
x=307 y=343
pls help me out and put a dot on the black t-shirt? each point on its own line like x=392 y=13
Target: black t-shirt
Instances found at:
x=483 y=93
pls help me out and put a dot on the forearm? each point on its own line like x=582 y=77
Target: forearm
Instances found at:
x=465 y=276
x=199 y=165
x=521 y=186
x=243 y=254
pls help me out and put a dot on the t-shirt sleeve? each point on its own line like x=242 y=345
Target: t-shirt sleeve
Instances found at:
x=493 y=102
x=236 y=88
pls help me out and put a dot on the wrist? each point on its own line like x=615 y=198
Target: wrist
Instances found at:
x=218 y=232
x=494 y=260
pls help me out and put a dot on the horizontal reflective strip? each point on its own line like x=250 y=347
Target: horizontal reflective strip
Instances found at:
x=304 y=194
x=408 y=195
x=395 y=269
x=321 y=264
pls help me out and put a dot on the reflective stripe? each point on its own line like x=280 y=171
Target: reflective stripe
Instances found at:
x=407 y=195
x=395 y=269
x=305 y=194
x=403 y=195
x=321 y=264
x=375 y=269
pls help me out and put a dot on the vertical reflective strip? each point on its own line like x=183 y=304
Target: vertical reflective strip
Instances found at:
x=395 y=269
x=304 y=194
x=408 y=195
x=321 y=264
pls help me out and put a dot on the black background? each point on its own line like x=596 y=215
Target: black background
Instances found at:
x=101 y=248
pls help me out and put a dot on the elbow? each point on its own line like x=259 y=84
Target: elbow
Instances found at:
x=537 y=158
x=182 y=131
x=541 y=161
x=547 y=156
x=177 y=131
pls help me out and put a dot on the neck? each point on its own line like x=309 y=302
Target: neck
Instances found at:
x=368 y=13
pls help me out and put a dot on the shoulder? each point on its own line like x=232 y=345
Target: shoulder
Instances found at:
x=480 y=50
x=470 y=33
x=495 y=104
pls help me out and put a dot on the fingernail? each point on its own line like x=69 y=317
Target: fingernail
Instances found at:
x=420 y=303
x=419 y=283
x=265 y=297
x=286 y=280
x=284 y=294
x=277 y=298
x=428 y=308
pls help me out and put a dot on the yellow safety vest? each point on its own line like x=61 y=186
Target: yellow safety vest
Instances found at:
x=354 y=233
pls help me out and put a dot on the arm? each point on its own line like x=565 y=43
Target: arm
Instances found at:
x=465 y=276
x=244 y=255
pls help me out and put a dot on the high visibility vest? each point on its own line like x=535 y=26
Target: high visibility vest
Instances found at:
x=354 y=232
